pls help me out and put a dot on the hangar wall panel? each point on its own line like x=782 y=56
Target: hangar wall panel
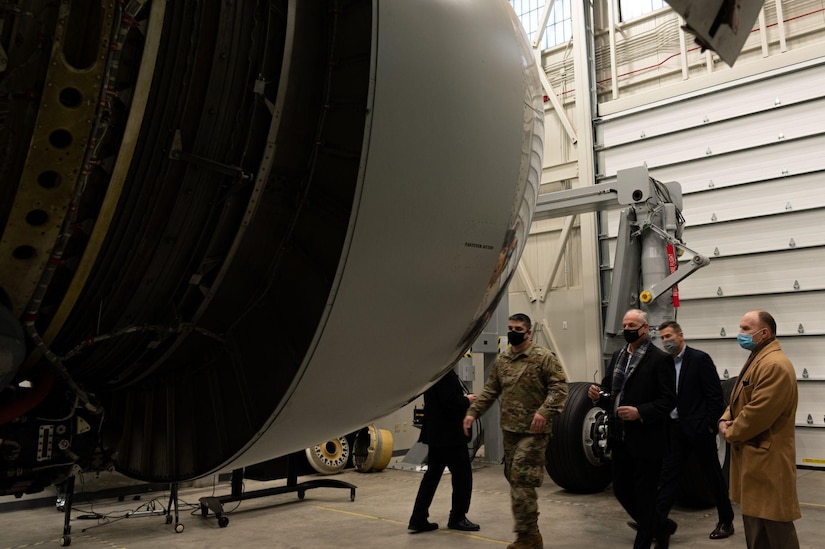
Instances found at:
x=749 y=157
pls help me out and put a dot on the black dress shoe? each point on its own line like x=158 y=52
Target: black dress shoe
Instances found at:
x=423 y=526
x=670 y=528
x=464 y=525
x=663 y=537
x=722 y=530
x=662 y=541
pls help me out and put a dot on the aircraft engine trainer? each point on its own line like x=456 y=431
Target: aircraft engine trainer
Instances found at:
x=233 y=229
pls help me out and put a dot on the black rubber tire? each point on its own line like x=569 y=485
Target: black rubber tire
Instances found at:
x=694 y=490
x=567 y=463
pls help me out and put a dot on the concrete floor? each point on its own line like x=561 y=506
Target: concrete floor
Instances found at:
x=377 y=518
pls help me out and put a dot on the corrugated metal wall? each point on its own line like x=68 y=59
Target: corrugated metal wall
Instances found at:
x=750 y=156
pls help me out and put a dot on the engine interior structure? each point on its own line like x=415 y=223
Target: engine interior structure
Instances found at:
x=223 y=222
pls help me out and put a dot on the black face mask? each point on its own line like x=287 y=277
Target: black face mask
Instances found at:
x=631 y=335
x=516 y=338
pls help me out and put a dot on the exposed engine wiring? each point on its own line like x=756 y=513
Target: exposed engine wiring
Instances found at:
x=99 y=129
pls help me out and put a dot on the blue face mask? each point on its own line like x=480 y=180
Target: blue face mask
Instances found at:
x=746 y=342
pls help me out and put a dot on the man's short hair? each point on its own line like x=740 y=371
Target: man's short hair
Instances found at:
x=641 y=314
x=523 y=318
x=672 y=324
x=767 y=320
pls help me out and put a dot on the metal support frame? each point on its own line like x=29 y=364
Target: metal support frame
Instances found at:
x=546 y=327
x=545 y=15
x=526 y=281
x=491 y=420
x=569 y=221
x=215 y=503
x=763 y=32
x=576 y=201
x=639 y=238
x=554 y=100
x=611 y=26
x=780 y=25
x=659 y=288
x=545 y=83
x=68 y=497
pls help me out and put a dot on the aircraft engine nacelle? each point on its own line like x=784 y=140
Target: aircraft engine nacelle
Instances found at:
x=232 y=231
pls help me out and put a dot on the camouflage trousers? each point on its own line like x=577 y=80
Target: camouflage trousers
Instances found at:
x=524 y=457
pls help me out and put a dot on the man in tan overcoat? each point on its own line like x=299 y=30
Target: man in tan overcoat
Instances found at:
x=759 y=425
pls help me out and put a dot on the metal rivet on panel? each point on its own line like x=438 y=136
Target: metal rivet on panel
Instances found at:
x=800 y=329
x=792 y=243
x=719 y=291
x=810 y=419
x=796 y=285
x=788 y=207
x=804 y=373
x=716 y=252
x=723 y=333
x=713 y=217
x=725 y=374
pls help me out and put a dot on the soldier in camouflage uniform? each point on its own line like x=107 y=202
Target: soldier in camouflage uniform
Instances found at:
x=533 y=388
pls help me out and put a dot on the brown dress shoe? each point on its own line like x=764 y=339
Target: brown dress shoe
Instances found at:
x=722 y=530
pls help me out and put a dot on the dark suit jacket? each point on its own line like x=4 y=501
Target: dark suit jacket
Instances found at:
x=699 y=400
x=444 y=409
x=651 y=388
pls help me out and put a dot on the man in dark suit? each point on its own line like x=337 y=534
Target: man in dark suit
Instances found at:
x=638 y=391
x=445 y=406
x=693 y=427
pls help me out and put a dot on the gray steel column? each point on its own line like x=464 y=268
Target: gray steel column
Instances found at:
x=487 y=344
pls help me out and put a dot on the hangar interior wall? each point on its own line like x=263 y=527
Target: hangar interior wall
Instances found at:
x=745 y=142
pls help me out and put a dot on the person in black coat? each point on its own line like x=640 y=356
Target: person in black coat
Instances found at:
x=445 y=406
x=693 y=427
x=638 y=391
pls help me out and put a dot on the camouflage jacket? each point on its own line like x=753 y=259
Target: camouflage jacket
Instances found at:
x=532 y=381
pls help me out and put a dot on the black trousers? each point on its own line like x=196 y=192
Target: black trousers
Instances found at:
x=457 y=458
x=681 y=448
x=635 y=484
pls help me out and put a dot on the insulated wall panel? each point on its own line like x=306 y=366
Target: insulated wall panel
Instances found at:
x=729 y=103
x=749 y=157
